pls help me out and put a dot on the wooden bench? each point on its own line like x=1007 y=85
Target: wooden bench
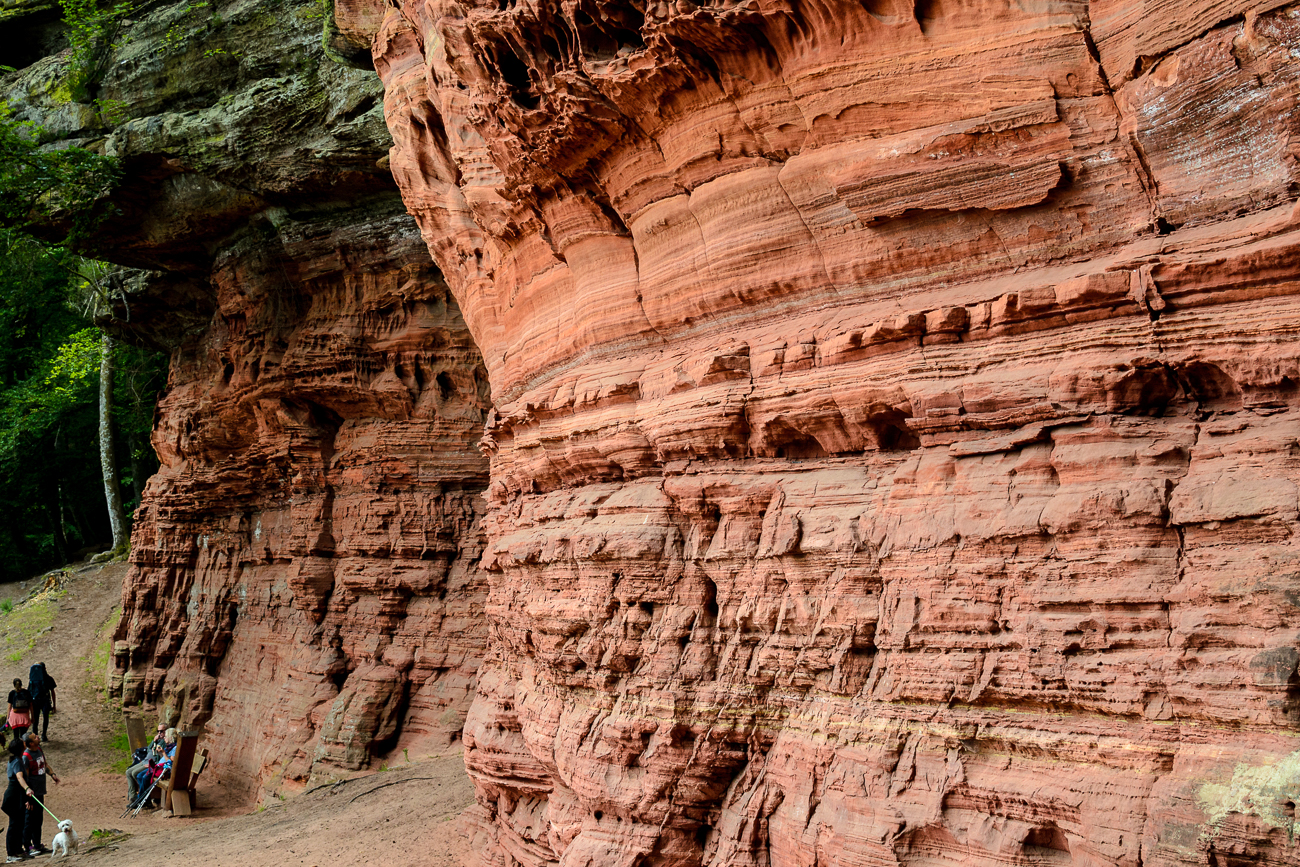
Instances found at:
x=200 y=762
x=135 y=736
x=178 y=788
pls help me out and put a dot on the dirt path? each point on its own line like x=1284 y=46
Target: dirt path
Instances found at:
x=399 y=817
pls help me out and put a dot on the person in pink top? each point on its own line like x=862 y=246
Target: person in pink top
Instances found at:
x=20 y=709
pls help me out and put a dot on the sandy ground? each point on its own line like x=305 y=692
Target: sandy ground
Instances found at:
x=404 y=816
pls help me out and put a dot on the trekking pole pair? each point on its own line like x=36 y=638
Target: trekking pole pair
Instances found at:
x=134 y=808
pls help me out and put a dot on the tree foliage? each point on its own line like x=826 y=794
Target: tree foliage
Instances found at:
x=51 y=488
x=91 y=35
x=50 y=191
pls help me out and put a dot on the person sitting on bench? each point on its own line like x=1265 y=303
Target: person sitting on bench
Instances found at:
x=153 y=754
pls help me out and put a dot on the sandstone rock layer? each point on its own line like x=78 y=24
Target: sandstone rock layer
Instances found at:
x=305 y=577
x=893 y=446
x=305 y=585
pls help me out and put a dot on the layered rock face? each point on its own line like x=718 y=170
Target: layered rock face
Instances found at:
x=305 y=583
x=305 y=565
x=894 y=436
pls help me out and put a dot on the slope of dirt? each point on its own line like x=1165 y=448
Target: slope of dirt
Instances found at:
x=373 y=818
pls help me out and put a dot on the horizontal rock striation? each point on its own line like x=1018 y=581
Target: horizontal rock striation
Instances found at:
x=893 y=445
x=305 y=583
x=305 y=565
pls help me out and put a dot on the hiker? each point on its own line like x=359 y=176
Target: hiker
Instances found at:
x=41 y=686
x=147 y=780
x=32 y=778
x=20 y=709
x=14 y=806
x=152 y=755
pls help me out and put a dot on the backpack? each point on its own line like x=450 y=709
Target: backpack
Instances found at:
x=22 y=701
x=36 y=681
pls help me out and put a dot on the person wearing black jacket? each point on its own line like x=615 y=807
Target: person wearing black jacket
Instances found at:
x=15 y=806
x=41 y=685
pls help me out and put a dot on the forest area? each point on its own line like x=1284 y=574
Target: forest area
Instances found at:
x=76 y=405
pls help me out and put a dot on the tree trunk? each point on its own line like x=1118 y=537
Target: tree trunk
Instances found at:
x=137 y=469
x=54 y=513
x=107 y=459
x=51 y=479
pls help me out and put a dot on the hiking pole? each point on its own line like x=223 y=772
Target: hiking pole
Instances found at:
x=144 y=800
x=135 y=802
x=131 y=805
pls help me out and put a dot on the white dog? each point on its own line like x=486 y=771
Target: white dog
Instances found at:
x=64 y=840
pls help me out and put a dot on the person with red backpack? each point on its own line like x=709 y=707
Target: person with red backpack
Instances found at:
x=32 y=779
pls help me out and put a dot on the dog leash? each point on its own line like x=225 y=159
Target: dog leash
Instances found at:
x=45 y=808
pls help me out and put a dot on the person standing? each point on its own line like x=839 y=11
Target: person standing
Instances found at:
x=20 y=709
x=41 y=686
x=15 y=806
x=32 y=777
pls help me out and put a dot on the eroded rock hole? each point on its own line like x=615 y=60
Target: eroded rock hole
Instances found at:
x=433 y=150
x=787 y=441
x=1147 y=390
x=551 y=48
x=925 y=12
x=514 y=72
x=446 y=388
x=1049 y=842
x=891 y=432
x=33 y=37
x=1210 y=387
x=801 y=449
x=612 y=31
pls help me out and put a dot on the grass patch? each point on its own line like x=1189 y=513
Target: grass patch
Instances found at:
x=27 y=621
x=101 y=837
x=97 y=667
x=120 y=746
x=97 y=662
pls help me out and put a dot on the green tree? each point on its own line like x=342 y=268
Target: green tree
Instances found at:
x=54 y=194
x=57 y=373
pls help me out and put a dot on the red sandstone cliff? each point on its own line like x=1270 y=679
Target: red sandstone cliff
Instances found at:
x=305 y=573
x=894 y=452
x=305 y=582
